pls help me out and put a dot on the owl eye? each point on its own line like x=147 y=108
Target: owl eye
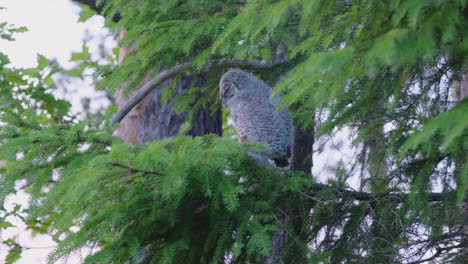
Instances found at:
x=228 y=90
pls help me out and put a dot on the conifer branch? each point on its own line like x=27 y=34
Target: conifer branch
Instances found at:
x=168 y=74
x=366 y=196
x=439 y=251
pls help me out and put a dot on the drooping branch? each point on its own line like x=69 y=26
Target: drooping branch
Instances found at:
x=169 y=73
x=437 y=254
x=367 y=196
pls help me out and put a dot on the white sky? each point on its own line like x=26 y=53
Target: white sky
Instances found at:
x=53 y=30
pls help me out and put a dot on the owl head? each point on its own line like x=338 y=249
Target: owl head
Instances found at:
x=236 y=83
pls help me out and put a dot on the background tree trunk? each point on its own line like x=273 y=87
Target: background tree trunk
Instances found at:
x=152 y=119
x=302 y=150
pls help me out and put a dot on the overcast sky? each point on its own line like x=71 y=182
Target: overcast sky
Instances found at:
x=53 y=30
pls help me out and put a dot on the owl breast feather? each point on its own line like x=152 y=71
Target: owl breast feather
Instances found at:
x=256 y=119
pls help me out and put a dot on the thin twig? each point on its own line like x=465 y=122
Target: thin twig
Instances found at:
x=365 y=196
x=133 y=170
x=439 y=252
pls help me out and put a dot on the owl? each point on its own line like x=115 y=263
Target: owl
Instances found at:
x=255 y=116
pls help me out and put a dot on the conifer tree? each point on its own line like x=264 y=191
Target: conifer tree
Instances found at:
x=384 y=69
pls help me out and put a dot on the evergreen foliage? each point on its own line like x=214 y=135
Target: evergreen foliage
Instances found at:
x=365 y=64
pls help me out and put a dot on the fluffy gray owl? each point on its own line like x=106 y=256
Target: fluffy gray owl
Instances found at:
x=255 y=115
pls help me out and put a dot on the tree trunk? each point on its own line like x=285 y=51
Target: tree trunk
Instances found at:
x=303 y=142
x=152 y=119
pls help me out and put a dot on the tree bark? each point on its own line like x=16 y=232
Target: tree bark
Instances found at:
x=302 y=150
x=152 y=119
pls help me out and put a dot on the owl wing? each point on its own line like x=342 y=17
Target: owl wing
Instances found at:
x=257 y=120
